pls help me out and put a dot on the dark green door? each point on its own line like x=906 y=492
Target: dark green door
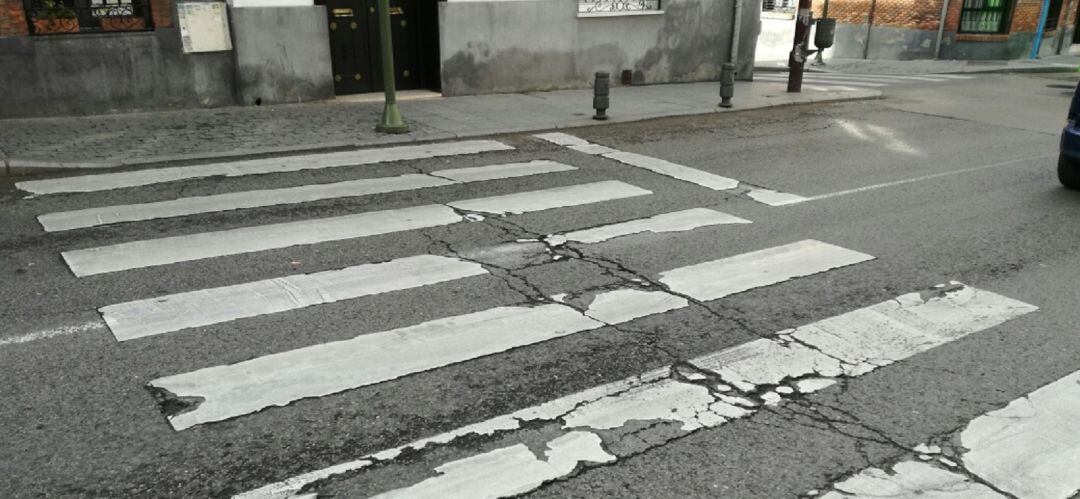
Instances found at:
x=355 y=49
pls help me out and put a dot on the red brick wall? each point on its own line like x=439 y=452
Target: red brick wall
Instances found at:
x=12 y=18
x=1025 y=17
x=924 y=14
x=161 y=11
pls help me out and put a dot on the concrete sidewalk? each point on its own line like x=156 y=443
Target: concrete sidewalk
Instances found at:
x=47 y=144
x=1056 y=63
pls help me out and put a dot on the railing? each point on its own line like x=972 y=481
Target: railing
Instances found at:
x=586 y=6
x=54 y=17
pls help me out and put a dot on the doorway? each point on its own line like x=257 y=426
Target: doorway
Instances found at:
x=355 y=51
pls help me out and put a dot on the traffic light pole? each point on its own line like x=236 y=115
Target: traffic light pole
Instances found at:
x=391 y=118
x=799 y=50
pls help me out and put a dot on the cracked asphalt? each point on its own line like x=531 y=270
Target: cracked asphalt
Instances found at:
x=80 y=423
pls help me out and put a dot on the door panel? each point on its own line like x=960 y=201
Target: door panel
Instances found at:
x=355 y=49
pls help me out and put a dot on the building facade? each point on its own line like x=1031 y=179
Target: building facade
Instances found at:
x=969 y=29
x=63 y=57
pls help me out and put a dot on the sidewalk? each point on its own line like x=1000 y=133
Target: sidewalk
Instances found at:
x=1064 y=62
x=39 y=145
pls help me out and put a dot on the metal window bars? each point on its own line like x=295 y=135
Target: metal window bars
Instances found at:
x=984 y=16
x=586 y=6
x=54 y=17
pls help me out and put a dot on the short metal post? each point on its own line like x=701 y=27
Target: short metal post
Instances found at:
x=727 y=84
x=391 y=118
x=601 y=95
x=797 y=58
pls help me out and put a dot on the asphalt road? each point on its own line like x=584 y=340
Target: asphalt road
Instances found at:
x=946 y=182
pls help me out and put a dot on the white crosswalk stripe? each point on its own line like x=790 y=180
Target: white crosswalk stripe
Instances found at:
x=807 y=359
x=154 y=252
x=91 y=217
x=1030 y=449
x=669 y=169
x=846 y=81
x=107 y=181
x=230 y=391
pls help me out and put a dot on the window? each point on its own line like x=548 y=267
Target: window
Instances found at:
x=984 y=16
x=1052 y=15
x=778 y=6
x=596 y=6
x=52 y=17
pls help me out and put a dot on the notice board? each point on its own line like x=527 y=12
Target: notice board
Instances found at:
x=204 y=26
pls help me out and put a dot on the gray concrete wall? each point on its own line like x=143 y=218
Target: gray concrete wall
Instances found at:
x=112 y=72
x=282 y=54
x=531 y=45
x=906 y=44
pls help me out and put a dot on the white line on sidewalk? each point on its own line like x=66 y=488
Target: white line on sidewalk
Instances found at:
x=1029 y=449
x=50 y=333
x=759 y=268
x=106 y=215
x=823 y=81
x=899 y=328
x=164 y=314
x=107 y=181
x=153 y=252
x=928 y=177
x=278 y=379
x=676 y=221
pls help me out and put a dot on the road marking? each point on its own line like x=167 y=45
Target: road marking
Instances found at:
x=558 y=197
x=928 y=177
x=153 y=252
x=669 y=169
x=774 y=198
x=677 y=221
x=279 y=379
x=164 y=314
x=51 y=333
x=562 y=139
x=824 y=81
x=719 y=278
x=119 y=180
x=921 y=320
x=91 y=217
x=1030 y=448
x=911 y=479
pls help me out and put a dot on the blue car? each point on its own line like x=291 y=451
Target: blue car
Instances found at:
x=1069 y=158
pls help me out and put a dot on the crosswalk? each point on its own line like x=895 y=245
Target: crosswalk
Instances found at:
x=841 y=81
x=583 y=429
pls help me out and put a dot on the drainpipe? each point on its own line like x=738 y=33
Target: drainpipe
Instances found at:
x=1039 y=32
x=941 y=28
x=735 y=34
x=869 y=24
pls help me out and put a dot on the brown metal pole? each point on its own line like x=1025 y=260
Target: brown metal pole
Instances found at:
x=797 y=58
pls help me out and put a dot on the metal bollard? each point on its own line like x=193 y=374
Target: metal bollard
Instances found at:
x=601 y=95
x=727 y=84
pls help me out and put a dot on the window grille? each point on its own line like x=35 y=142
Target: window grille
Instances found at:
x=53 y=17
x=588 y=6
x=984 y=16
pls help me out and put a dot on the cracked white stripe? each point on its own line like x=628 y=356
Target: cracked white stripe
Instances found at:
x=657 y=396
x=911 y=479
x=105 y=215
x=666 y=222
x=107 y=181
x=557 y=197
x=164 y=314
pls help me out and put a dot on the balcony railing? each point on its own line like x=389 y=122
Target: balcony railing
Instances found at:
x=589 y=6
x=55 y=17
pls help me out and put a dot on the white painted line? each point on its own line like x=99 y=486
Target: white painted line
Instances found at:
x=51 y=333
x=666 y=222
x=911 y=479
x=929 y=177
x=557 y=197
x=509 y=470
x=105 y=215
x=625 y=305
x=774 y=198
x=922 y=77
x=594 y=149
x=107 y=181
x=726 y=276
x=279 y=379
x=684 y=173
x=659 y=396
x=824 y=81
x=562 y=139
x=503 y=171
x=1030 y=448
x=164 y=314
x=153 y=252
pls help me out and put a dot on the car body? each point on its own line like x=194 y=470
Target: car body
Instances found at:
x=1069 y=155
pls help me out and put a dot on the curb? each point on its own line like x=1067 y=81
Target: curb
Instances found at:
x=27 y=167
x=1005 y=70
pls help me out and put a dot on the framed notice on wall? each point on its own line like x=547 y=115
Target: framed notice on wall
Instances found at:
x=204 y=26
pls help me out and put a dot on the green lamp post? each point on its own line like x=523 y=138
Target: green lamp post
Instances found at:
x=391 y=118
